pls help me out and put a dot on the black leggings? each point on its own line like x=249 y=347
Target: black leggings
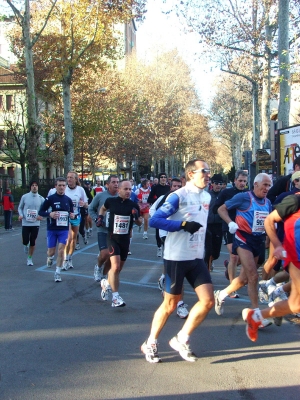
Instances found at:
x=83 y=214
x=29 y=234
x=158 y=239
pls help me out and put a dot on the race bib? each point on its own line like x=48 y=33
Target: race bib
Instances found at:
x=31 y=215
x=259 y=220
x=145 y=198
x=121 y=224
x=194 y=209
x=196 y=240
x=63 y=219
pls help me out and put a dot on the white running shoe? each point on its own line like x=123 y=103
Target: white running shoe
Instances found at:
x=57 y=277
x=182 y=311
x=159 y=252
x=263 y=286
x=264 y=323
x=275 y=298
x=117 y=301
x=98 y=273
x=29 y=261
x=77 y=247
x=145 y=236
x=65 y=265
x=85 y=241
x=262 y=296
x=183 y=349
x=234 y=295
x=70 y=264
x=161 y=283
x=106 y=289
x=129 y=253
x=219 y=304
x=151 y=353
x=50 y=261
x=271 y=287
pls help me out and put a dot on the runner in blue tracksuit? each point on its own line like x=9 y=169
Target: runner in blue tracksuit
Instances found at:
x=58 y=208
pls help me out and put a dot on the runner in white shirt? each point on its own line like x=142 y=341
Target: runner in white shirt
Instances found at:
x=79 y=199
x=28 y=213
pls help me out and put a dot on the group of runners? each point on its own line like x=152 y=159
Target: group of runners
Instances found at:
x=180 y=219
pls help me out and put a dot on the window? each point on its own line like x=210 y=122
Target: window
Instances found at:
x=11 y=172
x=1 y=139
x=9 y=102
x=10 y=140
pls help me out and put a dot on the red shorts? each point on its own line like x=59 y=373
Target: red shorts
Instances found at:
x=288 y=260
x=144 y=208
x=144 y=211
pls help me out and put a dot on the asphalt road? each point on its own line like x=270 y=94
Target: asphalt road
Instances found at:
x=61 y=341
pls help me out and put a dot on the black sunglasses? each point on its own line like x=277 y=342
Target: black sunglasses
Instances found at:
x=203 y=170
x=218 y=183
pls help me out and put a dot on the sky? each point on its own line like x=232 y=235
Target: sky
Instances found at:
x=165 y=32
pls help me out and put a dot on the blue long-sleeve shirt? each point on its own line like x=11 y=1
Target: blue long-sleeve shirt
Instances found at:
x=159 y=219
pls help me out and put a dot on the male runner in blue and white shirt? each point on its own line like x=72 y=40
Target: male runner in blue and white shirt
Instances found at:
x=184 y=217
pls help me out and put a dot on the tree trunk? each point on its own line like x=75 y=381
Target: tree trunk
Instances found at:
x=256 y=119
x=33 y=129
x=255 y=71
x=69 y=139
x=167 y=165
x=266 y=87
x=284 y=63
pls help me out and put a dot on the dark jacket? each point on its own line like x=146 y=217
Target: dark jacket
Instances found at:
x=88 y=194
x=213 y=216
x=283 y=184
x=157 y=191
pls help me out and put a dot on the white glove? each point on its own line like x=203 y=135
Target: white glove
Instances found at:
x=233 y=227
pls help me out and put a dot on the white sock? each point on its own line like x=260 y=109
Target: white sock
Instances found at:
x=182 y=337
x=179 y=303
x=151 y=340
x=58 y=269
x=223 y=294
x=271 y=282
x=145 y=232
x=257 y=315
x=278 y=291
x=115 y=294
